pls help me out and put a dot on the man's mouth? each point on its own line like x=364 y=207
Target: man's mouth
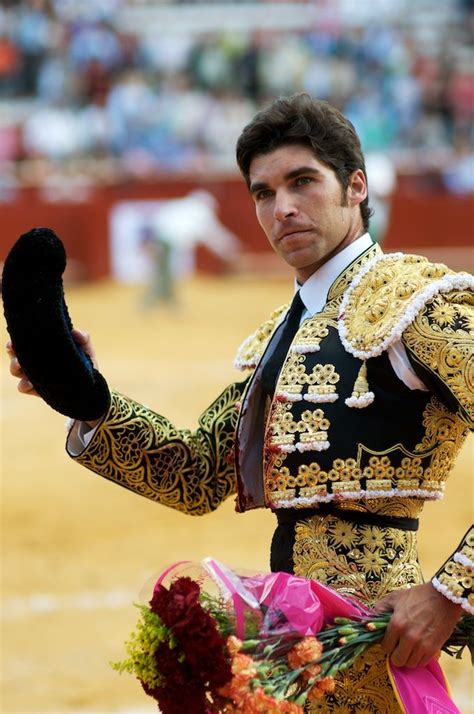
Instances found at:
x=294 y=233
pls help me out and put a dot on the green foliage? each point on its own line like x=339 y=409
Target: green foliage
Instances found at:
x=142 y=646
x=462 y=637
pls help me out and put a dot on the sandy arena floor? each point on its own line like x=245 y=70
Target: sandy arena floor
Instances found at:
x=76 y=550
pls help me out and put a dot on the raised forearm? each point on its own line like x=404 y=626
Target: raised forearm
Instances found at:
x=141 y=450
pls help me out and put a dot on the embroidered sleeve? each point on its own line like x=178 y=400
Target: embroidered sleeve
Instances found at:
x=191 y=471
x=454 y=579
x=440 y=345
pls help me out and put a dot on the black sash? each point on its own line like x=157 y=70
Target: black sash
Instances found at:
x=281 y=554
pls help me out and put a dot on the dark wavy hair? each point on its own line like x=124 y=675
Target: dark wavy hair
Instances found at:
x=300 y=119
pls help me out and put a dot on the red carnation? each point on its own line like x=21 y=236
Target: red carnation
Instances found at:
x=173 y=605
x=182 y=691
x=195 y=630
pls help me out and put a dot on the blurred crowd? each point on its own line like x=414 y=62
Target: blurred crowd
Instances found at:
x=84 y=100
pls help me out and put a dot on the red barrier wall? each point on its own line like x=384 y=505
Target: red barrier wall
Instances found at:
x=418 y=219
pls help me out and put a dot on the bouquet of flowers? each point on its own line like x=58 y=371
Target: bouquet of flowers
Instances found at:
x=212 y=641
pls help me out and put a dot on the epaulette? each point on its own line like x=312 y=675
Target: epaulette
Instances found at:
x=385 y=297
x=254 y=345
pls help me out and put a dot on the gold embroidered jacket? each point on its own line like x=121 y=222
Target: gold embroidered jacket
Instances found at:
x=341 y=425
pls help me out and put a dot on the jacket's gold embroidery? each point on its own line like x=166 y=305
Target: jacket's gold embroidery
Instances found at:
x=192 y=472
x=292 y=379
x=322 y=384
x=444 y=437
x=395 y=472
x=340 y=285
x=310 y=335
x=367 y=562
x=312 y=429
x=253 y=347
x=385 y=297
x=413 y=470
x=319 y=382
x=361 y=395
x=364 y=688
x=312 y=330
x=441 y=340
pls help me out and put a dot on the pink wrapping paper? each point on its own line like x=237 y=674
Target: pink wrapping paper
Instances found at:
x=423 y=689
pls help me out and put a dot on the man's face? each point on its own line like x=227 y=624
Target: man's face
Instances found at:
x=302 y=208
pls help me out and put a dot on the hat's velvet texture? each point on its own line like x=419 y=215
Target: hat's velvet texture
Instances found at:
x=40 y=328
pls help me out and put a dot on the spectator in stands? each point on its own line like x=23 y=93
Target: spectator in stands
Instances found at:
x=402 y=85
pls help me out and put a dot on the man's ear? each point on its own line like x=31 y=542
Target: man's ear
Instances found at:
x=357 y=188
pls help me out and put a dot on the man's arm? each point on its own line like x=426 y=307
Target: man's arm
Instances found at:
x=190 y=471
x=421 y=622
x=424 y=616
x=439 y=344
x=133 y=446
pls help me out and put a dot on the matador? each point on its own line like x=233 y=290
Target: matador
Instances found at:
x=355 y=401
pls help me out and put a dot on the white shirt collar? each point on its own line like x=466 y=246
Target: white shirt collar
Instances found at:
x=315 y=290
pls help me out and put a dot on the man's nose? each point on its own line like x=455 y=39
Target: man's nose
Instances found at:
x=284 y=207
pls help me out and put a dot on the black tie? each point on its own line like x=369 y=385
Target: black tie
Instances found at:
x=272 y=368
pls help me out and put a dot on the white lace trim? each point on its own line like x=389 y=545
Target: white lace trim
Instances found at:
x=463 y=559
x=354 y=495
x=444 y=590
x=285 y=448
x=312 y=446
x=288 y=396
x=243 y=364
x=305 y=349
x=459 y=281
x=240 y=363
x=315 y=398
x=360 y=402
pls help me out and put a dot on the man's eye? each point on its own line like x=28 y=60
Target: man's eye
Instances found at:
x=264 y=193
x=302 y=180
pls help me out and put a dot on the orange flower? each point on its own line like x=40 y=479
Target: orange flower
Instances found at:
x=258 y=701
x=237 y=688
x=233 y=645
x=243 y=664
x=305 y=651
x=312 y=671
x=321 y=688
x=290 y=708
x=243 y=671
x=327 y=684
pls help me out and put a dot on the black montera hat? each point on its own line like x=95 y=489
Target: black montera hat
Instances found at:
x=40 y=328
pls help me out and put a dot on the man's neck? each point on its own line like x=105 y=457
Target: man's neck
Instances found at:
x=315 y=289
x=302 y=274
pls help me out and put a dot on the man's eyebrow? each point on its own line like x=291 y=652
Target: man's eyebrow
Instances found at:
x=254 y=187
x=294 y=173
x=302 y=170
